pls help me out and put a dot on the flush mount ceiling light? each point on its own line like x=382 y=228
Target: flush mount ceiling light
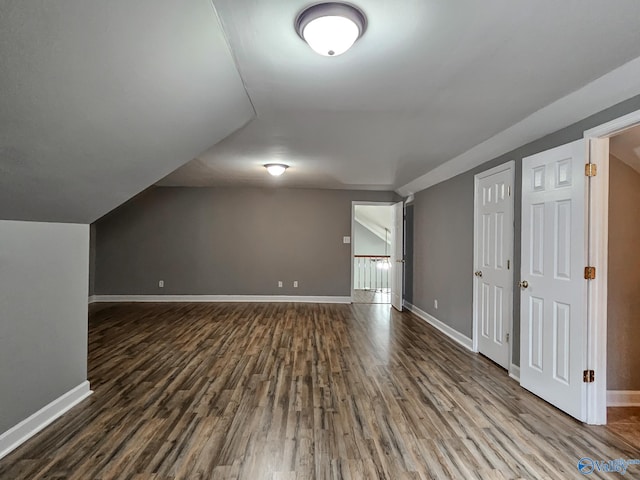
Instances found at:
x=276 y=169
x=331 y=28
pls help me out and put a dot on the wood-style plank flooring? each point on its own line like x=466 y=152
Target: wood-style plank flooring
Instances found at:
x=299 y=391
x=372 y=296
x=625 y=421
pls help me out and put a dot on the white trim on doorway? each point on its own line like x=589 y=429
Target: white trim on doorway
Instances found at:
x=598 y=139
x=353 y=229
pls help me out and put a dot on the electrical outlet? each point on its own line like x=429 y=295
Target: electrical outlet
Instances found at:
x=279 y=283
x=435 y=304
x=295 y=284
x=161 y=283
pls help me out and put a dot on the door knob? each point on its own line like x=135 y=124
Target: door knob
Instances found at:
x=478 y=273
x=523 y=284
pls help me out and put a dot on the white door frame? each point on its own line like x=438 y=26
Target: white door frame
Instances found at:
x=397 y=264
x=510 y=165
x=598 y=237
x=353 y=229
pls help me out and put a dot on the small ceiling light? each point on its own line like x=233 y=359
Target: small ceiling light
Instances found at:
x=276 y=169
x=331 y=28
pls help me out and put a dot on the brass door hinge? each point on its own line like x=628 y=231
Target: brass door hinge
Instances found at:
x=591 y=169
x=588 y=376
x=589 y=273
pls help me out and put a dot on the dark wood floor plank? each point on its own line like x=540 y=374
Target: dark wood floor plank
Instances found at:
x=301 y=391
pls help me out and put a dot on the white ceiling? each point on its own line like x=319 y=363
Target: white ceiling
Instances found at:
x=100 y=99
x=626 y=146
x=429 y=80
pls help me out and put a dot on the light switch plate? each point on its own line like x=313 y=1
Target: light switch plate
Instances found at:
x=346 y=239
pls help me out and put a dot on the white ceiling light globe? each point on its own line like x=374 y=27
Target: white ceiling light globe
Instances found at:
x=331 y=36
x=330 y=29
x=276 y=169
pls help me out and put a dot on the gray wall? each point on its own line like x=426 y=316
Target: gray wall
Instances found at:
x=443 y=241
x=407 y=292
x=43 y=315
x=228 y=241
x=92 y=259
x=443 y=236
x=623 y=310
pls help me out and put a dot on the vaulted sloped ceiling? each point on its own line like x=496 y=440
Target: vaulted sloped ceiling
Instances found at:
x=100 y=99
x=429 y=80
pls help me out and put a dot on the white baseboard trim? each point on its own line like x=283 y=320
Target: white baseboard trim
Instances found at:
x=514 y=372
x=217 y=298
x=623 y=398
x=454 y=335
x=16 y=436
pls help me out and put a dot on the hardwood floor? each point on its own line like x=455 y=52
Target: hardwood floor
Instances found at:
x=299 y=391
x=372 y=296
x=625 y=421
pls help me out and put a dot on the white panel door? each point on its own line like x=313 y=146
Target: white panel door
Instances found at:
x=553 y=288
x=397 y=255
x=493 y=284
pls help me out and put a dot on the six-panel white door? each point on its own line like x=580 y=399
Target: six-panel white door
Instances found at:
x=493 y=245
x=397 y=255
x=553 y=289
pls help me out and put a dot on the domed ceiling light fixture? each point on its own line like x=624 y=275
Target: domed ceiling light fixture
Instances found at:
x=276 y=169
x=331 y=28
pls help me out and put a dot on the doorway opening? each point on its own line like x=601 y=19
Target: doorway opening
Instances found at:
x=623 y=284
x=614 y=151
x=371 y=247
x=570 y=365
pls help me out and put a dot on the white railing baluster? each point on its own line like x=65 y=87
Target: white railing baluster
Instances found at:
x=372 y=272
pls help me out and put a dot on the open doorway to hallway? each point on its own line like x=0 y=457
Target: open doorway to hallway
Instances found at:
x=623 y=278
x=372 y=226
